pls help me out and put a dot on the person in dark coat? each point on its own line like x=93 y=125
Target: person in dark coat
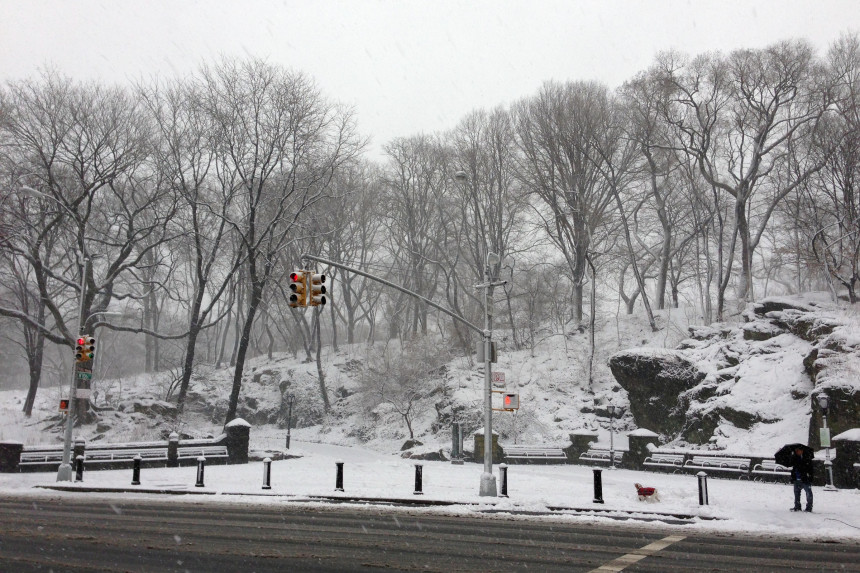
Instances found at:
x=801 y=477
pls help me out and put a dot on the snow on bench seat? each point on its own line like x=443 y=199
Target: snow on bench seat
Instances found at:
x=737 y=465
x=534 y=452
x=124 y=455
x=186 y=452
x=600 y=456
x=770 y=468
x=40 y=457
x=665 y=460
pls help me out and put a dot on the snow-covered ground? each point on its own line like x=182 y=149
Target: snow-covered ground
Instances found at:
x=741 y=507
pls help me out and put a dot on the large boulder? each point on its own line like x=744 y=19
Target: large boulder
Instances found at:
x=654 y=379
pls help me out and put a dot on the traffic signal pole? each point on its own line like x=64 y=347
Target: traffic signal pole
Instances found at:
x=488 y=480
x=64 y=473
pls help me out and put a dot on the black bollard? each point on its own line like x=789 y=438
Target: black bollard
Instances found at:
x=703 y=488
x=135 y=473
x=338 y=482
x=503 y=474
x=267 y=473
x=419 y=470
x=598 y=485
x=79 y=468
x=201 y=464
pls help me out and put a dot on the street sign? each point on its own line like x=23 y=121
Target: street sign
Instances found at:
x=82 y=393
x=85 y=375
x=499 y=377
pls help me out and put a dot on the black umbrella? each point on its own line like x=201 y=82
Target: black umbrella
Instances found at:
x=783 y=456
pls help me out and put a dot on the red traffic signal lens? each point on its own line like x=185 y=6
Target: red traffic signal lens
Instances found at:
x=81 y=341
x=507 y=399
x=295 y=277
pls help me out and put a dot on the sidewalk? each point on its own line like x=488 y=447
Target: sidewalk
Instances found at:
x=562 y=492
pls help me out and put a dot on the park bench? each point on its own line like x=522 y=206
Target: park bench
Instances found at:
x=600 y=456
x=207 y=452
x=770 y=468
x=675 y=461
x=106 y=456
x=534 y=453
x=740 y=466
x=35 y=457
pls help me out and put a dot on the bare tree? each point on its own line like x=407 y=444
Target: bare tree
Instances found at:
x=739 y=116
x=556 y=133
x=281 y=143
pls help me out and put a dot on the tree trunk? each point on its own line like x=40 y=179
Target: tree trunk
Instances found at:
x=242 y=349
x=320 y=373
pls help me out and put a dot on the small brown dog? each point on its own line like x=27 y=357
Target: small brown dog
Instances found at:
x=647 y=493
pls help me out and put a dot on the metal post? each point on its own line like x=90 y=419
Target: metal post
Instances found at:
x=201 y=464
x=79 y=468
x=488 y=480
x=419 y=470
x=503 y=476
x=703 y=488
x=598 y=485
x=828 y=463
x=135 y=473
x=338 y=481
x=612 y=437
x=457 y=443
x=64 y=473
x=290 y=398
x=267 y=473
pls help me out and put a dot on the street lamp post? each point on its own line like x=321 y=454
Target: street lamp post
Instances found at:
x=290 y=399
x=488 y=480
x=824 y=402
x=611 y=409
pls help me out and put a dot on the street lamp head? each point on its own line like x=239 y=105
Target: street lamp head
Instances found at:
x=611 y=409
x=823 y=400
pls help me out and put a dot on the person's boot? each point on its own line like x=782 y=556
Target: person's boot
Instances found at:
x=795 y=508
x=808 y=508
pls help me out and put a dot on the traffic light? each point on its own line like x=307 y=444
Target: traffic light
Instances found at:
x=64 y=405
x=298 y=294
x=317 y=290
x=511 y=401
x=85 y=349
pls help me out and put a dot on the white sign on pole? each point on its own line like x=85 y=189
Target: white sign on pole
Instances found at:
x=499 y=377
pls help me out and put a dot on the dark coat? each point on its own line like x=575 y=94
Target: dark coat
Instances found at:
x=801 y=468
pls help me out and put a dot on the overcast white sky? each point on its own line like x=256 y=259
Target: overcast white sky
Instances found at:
x=406 y=66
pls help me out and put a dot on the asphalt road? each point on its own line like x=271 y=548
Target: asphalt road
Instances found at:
x=82 y=534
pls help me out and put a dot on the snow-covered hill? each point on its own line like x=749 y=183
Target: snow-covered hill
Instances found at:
x=551 y=379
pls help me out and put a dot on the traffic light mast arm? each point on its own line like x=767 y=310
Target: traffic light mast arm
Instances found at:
x=453 y=315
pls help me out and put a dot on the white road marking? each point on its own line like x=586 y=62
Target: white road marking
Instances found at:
x=635 y=556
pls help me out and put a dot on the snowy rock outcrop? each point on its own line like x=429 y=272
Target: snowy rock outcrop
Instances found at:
x=760 y=376
x=655 y=378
